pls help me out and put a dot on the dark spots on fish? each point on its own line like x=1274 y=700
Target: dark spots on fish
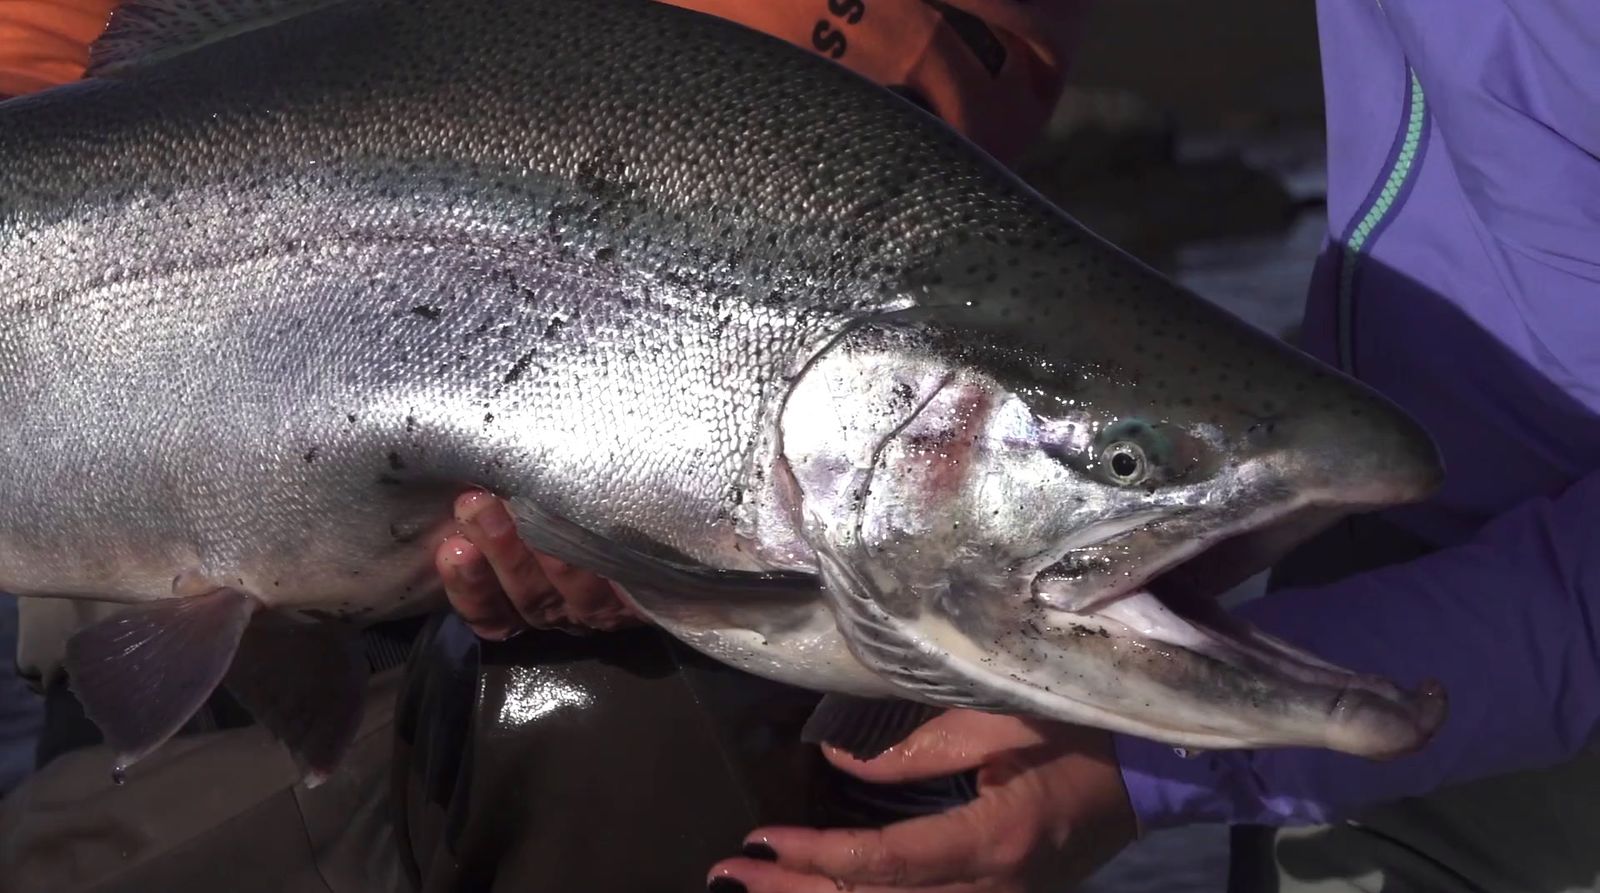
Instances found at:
x=351 y=418
x=488 y=417
x=310 y=455
x=519 y=367
x=388 y=480
x=1356 y=411
x=426 y=312
x=395 y=462
x=411 y=423
x=604 y=253
x=277 y=583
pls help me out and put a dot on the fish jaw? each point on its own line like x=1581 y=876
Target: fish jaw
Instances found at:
x=942 y=506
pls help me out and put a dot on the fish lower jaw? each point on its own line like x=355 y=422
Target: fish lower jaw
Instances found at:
x=1335 y=708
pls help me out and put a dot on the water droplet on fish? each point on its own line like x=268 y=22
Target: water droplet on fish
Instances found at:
x=119 y=776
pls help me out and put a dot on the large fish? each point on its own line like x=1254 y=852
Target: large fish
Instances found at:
x=835 y=397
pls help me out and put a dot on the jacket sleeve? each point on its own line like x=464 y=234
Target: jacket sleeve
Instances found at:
x=1507 y=621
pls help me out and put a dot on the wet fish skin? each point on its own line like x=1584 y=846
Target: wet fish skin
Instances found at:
x=459 y=259
x=271 y=303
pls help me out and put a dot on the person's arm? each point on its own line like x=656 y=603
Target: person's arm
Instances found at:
x=1509 y=622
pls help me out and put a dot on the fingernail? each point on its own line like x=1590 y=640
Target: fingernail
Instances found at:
x=494 y=520
x=726 y=884
x=485 y=512
x=758 y=850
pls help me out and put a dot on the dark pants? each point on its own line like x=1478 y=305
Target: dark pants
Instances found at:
x=622 y=762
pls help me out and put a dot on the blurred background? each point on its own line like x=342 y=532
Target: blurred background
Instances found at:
x=1191 y=135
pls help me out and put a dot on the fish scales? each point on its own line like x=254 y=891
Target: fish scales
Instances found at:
x=590 y=278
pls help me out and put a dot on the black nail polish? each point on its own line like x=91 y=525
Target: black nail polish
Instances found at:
x=756 y=850
x=725 y=885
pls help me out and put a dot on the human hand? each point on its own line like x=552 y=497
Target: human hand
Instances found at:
x=500 y=587
x=1051 y=808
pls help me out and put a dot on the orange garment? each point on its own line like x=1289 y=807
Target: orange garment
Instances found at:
x=992 y=68
x=44 y=43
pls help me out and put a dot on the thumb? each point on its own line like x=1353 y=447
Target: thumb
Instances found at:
x=953 y=742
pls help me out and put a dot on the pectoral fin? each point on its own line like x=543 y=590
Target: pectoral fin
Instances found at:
x=142 y=674
x=579 y=546
x=774 y=625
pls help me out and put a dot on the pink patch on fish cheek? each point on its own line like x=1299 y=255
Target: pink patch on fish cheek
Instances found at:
x=942 y=446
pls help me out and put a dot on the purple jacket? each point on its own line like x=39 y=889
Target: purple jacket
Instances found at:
x=1461 y=278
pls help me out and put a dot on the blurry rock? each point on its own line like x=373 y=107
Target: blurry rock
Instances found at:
x=1113 y=161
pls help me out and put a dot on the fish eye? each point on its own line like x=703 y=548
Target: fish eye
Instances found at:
x=1126 y=462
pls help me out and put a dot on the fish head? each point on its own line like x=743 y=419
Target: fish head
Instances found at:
x=997 y=498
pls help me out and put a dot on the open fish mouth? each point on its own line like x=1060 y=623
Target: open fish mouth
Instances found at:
x=1325 y=705
x=1169 y=614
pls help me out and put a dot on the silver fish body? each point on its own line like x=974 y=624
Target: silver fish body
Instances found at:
x=696 y=302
